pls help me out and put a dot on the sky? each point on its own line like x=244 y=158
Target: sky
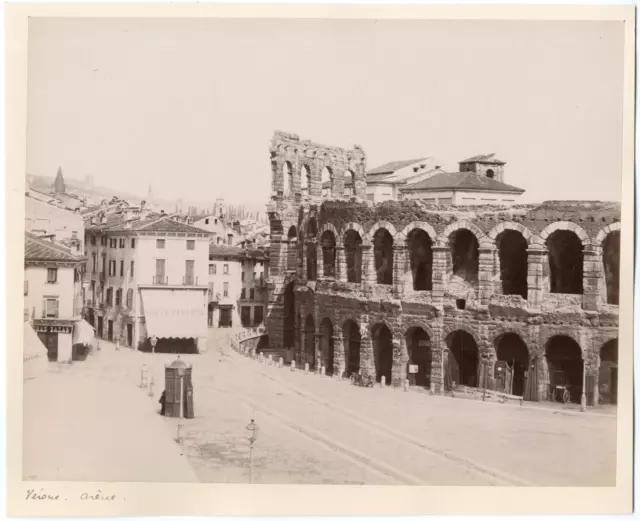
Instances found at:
x=189 y=106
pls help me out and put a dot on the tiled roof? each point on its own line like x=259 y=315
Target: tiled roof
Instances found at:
x=36 y=249
x=225 y=250
x=486 y=158
x=153 y=223
x=391 y=167
x=462 y=181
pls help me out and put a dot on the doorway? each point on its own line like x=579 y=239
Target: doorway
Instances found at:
x=129 y=335
x=50 y=341
x=100 y=326
x=110 y=331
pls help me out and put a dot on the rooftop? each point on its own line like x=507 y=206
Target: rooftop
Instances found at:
x=37 y=249
x=462 y=181
x=484 y=158
x=162 y=223
x=393 y=166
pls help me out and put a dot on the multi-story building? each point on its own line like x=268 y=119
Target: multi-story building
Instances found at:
x=216 y=225
x=520 y=299
x=52 y=294
x=44 y=218
x=237 y=286
x=147 y=277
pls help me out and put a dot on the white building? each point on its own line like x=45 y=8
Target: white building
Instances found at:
x=52 y=294
x=148 y=277
x=480 y=181
x=221 y=232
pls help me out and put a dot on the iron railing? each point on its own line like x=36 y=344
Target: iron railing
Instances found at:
x=189 y=280
x=160 y=280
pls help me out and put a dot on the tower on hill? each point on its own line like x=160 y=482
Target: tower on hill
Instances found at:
x=58 y=184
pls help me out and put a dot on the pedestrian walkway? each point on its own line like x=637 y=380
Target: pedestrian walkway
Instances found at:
x=78 y=428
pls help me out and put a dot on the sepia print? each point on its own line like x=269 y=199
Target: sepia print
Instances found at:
x=307 y=251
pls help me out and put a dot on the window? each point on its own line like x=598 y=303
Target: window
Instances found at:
x=52 y=275
x=109 y=296
x=133 y=243
x=93 y=262
x=118 y=296
x=122 y=268
x=206 y=221
x=189 y=270
x=212 y=269
x=253 y=276
x=191 y=244
x=160 y=265
x=122 y=243
x=245 y=315
x=103 y=241
x=226 y=289
x=243 y=293
x=50 y=307
x=252 y=294
x=93 y=240
x=160 y=243
x=242 y=276
x=210 y=288
x=112 y=268
x=225 y=269
x=131 y=271
x=258 y=314
x=113 y=243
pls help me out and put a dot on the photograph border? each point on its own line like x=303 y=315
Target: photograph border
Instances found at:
x=134 y=499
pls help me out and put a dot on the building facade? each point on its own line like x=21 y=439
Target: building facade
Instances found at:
x=52 y=294
x=44 y=218
x=445 y=296
x=147 y=277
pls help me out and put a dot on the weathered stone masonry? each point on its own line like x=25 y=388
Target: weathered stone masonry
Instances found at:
x=445 y=291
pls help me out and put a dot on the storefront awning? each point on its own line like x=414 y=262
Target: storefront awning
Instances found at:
x=83 y=333
x=175 y=313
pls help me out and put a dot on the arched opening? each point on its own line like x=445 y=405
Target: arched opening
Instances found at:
x=608 y=373
x=510 y=377
x=512 y=252
x=328 y=244
x=421 y=257
x=353 y=255
x=326 y=179
x=305 y=177
x=349 y=184
x=464 y=255
x=463 y=359
x=351 y=341
x=326 y=330
x=611 y=262
x=383 y=256
x=312 y=261
x=312 y=228
x=292 y=249
x=565 y=262
x=564 y=361
x=382 y=352
x=419 y=351
x=309 y=354
x=289 y=314
x=287 y=181
x=490 y=173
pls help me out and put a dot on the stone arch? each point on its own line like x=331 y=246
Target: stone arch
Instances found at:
x=461 y=326
x=419 y=251
x=351 y=340
x=383 y=261
x=564 y=358
x=463 y=357
x=602 y=234
x=328 y=245
x=510 y=225
x=564 y=225
x=326 y=344
x=610 y=267
x=419 y=353
x=416 y=322
x=421 y=225
x=511 y=263
x=357 y=228
x=305 y=177
x=328 y=227
x=566 y=260
x=352 y=242
x=289 y=309
x=287 y=178
x=292 y=248
x=349 y=187
x=309 y=348
x=327 y=192
x=311 y=226
x=458 y=225
x=512 y=350
x=382 y=340
x=381 y=224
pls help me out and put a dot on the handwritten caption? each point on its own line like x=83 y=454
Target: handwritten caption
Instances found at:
x=44 y=495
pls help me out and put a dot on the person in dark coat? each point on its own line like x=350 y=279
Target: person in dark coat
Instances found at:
x=162 y=402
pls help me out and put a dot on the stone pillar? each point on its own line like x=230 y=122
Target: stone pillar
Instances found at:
x=591 y=278
x=485 y=273
x=341 y=264
x=368 y=265
x=399 y=269
x=400 y=360
x=536 y=259
x=297 y=342
x=436 y=378
x=320 y=261
x=367 y=362
x=339 y=359
x=440 y=267
x=318 y=359
x=303 y=267
x=292 y=254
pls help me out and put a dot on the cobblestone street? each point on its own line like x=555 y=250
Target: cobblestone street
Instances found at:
x=312 y=429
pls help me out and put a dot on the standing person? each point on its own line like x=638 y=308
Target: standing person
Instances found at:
x=162 y=402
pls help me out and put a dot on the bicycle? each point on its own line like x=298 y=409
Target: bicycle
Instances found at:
x=566 y=395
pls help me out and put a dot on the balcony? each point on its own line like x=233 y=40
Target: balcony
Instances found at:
x=49 y=315
x=189 y=280
x=214 y=297
x=160 y=280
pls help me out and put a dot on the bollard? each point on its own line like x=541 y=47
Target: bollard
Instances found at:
x=406 y=385
x=383 y=381
x=270 y=361
x=151 y=383
x=293 y=365
x=322 y=371
x=281 y=362
x=306 y=368
x=143 y=376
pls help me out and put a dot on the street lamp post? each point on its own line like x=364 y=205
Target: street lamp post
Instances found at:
x=253 y=436
x=153 y=342
x=583 y=398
